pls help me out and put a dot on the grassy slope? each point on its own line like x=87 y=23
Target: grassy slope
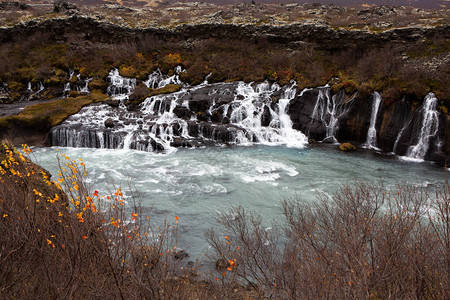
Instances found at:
x=42 y=116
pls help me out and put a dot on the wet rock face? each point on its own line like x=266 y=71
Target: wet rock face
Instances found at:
x=301 y=109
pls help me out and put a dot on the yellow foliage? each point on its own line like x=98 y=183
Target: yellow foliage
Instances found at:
x=127 y=71
x=347 y=147
x=172 y=59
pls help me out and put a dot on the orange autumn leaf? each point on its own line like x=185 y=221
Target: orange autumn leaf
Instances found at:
x=84 y=237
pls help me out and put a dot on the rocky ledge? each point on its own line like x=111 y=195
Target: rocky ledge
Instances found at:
x=323 y=35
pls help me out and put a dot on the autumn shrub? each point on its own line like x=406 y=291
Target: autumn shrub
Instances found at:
x=60 y=239
x=362 y=242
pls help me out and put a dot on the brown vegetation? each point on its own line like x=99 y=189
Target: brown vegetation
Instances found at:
x=364 y=242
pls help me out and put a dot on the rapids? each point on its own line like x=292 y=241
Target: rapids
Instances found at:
x=197 y=184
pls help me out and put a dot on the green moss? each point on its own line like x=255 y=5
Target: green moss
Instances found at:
x=170 y=88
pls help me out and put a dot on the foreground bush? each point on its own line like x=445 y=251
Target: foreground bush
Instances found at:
x=364 y=242
x=78 y=244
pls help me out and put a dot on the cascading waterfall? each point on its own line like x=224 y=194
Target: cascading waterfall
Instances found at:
x=120 y=87
x=158 y=80
x=30 y=90
x=250 y=112
x=71 y=73
x=371 y=141
x=84 y=89
x=66 y=89
x=429 y=128
x=397 y=140
x=40 y=88
x=233 y=113
x=328 y=110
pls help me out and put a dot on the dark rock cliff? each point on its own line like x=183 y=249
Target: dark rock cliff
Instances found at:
x=322 y=35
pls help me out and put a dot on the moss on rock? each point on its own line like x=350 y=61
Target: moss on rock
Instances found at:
x=347 y=147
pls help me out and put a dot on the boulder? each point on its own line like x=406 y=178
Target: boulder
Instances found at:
x=112 y=103
x=216 y=116
x=63 y=6
x=266 y=117
x=109 y=123
x=182 y=112
x=4 y=97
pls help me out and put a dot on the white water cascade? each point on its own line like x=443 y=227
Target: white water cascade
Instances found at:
x=120 y=87
x=71 y=73
x=371 y=141
x=216 y=114
x=84 y=89
x=329 y=109
x=251 y=111
x=158 y=80
x=429 y=128
x=66 y=89
x=30 y=90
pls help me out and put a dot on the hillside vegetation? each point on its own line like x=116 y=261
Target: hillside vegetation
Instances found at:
x=401 y=51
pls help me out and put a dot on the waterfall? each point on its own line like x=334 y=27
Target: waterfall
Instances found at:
x=66 y=89
x=429 y=128
x=157 y=79
x=84 y=89
x=397 y=140
x=328 y=110
x=371 y=141
x=208 y=114
x=119 y=87
x=71 y=73
x=40 y=88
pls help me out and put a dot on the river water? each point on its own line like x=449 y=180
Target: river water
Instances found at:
x=197 y=184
